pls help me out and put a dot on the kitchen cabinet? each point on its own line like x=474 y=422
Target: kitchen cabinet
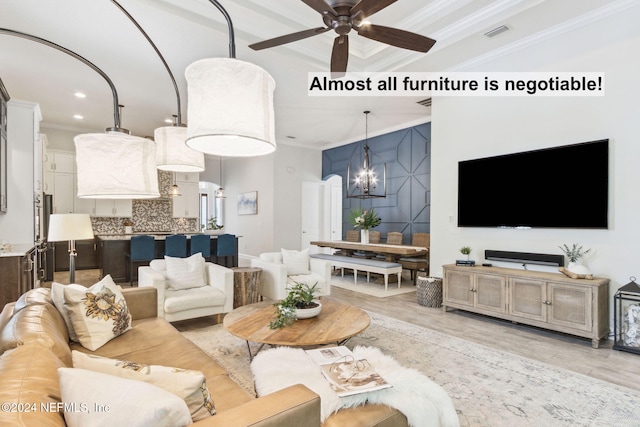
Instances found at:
x=547 y=300
x=4 y=97
x=16 y=275
x=59 y=177
x=86 y=258
x=113 y=208
x=59 y=162
x=188 y=204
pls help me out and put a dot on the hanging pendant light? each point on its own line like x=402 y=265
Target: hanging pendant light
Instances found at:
x=111 y=165
x=175 y=190
x=171 y=154
x=230 y=105
x=220 y=190
x=364 y=182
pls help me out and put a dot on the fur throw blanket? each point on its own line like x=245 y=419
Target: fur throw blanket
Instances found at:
x=422 y=401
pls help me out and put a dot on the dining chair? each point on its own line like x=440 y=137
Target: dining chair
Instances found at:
x=421 y=263
x=374 y=236
x=175 y=245
x=141 y=250
x=353 y=236
x=226 y=248
x=394 y=238
x=201 y=243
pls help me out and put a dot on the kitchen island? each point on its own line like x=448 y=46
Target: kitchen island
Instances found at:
x=113 y=249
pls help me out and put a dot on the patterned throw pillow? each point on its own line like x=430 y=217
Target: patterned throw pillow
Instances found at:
x=189 y=385
x=297 y=262
x=98 y=314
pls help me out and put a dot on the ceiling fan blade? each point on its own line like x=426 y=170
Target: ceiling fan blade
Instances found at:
x=320 y=6
x=369 y=7
x=339 y=56
x=395 y=37
x=277 y=41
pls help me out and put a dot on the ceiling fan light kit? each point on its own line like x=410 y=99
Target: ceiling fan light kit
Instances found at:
x=230 y=108
x=342 y=16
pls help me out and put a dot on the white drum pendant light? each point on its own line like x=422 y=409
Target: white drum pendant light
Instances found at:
x=116 y=166
x=172 y=153
x=230 y=108
x=111 y=165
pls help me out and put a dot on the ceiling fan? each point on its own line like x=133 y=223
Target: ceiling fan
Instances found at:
x=342 y=16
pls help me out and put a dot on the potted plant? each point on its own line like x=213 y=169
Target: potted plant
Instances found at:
x=465 y=250
x=299 y=304
x=364 y=220
x=213 y=227
x=574 y=253
x=128 y=225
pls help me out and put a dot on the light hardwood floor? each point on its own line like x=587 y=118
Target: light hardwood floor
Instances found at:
x=564 y=351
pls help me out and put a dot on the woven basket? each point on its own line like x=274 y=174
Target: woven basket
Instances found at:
x=429 y=291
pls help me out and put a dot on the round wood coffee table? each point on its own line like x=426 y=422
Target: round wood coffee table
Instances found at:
x=336 y=323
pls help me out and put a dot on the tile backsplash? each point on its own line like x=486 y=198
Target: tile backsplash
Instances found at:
x=148 y=216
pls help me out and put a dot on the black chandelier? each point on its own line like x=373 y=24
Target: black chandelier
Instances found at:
x=363 y=183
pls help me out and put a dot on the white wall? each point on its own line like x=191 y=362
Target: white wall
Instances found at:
x=278 y=180
x=466 y=128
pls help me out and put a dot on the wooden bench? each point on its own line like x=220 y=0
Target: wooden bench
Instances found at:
x=364 y=264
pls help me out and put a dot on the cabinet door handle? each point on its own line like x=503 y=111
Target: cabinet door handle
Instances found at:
x=546 y=302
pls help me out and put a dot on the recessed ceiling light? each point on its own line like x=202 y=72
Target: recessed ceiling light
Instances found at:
x=80 y=95
x=78 y=116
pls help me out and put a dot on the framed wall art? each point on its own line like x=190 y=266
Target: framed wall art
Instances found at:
x=248 y=203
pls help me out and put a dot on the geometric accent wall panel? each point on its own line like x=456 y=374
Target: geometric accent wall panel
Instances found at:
x=407 y=153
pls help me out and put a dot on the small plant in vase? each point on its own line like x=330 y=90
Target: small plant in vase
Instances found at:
x=298 y=304
x=574 y=254
x=465 y=250
x=364 y=220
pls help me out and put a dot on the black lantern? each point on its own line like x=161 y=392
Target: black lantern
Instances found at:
x=626 y=318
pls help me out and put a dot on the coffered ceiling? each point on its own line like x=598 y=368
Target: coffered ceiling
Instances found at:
x=188 y=30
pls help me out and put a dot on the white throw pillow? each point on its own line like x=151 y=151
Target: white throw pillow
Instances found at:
x=296 y=262
x=190 y=386
x=185 y=273
x=101 y=400
x=98 y=314
x=57 y=295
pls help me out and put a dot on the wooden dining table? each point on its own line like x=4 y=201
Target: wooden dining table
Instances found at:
x=390 y=252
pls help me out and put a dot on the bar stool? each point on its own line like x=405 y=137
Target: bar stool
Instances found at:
x=142 y=249
x=226 y=248
x=201 y=243
x=175 y=245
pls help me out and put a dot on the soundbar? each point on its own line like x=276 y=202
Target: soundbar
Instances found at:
x=524 y=257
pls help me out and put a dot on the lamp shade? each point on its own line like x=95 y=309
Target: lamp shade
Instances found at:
x=230 y=108
x=116 y=166
x=64 y=227
x=172 y=154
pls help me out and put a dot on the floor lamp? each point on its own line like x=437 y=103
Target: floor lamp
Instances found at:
x=70 y=227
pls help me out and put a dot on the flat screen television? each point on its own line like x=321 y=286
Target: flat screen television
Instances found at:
x=559 y=187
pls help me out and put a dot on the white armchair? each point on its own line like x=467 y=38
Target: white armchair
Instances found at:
x=277 y=275
x=215 y=297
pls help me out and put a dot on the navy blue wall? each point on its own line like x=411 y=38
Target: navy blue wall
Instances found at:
x=407 y=154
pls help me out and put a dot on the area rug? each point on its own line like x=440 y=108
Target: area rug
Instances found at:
x=489 y=388
x=374 y=288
